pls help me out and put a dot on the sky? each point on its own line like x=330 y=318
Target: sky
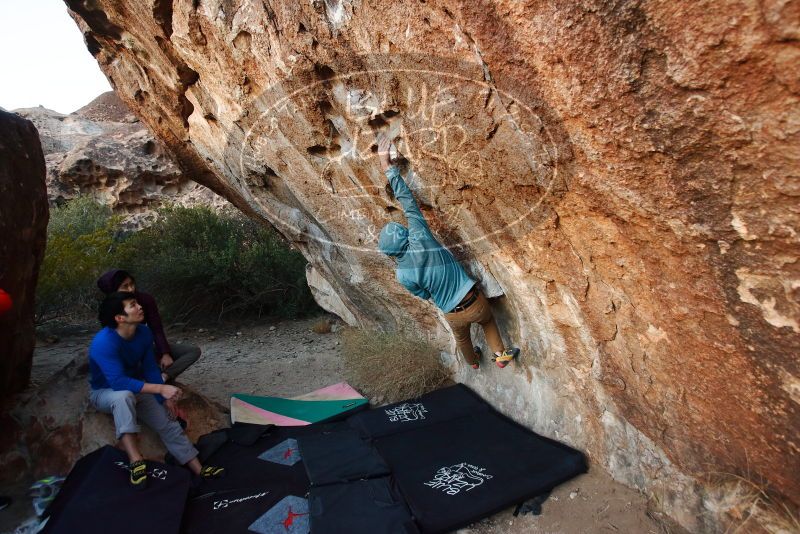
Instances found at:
x=43 y=60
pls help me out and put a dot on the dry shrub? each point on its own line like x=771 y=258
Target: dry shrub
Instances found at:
x=323 y=326
x=749 y=507
x=389 y=366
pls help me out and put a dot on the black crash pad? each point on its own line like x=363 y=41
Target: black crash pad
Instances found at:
x=459 y=471
x=429 y=409
x=362 y=507
x=341 y=456
x=97 y=498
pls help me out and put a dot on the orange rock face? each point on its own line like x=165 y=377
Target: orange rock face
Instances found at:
x=626 y=175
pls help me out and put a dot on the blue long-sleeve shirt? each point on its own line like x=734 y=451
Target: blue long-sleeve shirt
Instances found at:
x=424 y=266
x=123 y=364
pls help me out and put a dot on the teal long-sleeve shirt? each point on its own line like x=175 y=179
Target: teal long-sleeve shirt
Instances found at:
x=425 y=267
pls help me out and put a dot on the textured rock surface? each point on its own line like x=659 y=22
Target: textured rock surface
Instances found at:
x=102 y=150
x=53 y=425
x=626 y=173
x=23 y=227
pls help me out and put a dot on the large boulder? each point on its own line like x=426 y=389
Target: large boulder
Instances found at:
x=23 y=227
x=625 y=172
x=103 y=151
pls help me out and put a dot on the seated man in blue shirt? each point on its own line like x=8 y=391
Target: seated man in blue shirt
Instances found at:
x=429 y=271
x=126 y=382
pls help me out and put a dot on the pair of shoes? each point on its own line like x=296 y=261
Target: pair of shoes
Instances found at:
x=138 y=474
x=506 y=357
x=477 y=365
x=210 y=471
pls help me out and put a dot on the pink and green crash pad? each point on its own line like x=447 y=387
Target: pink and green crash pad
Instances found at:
x=326 y=404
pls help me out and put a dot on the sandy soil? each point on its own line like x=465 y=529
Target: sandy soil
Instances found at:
x=287 y=358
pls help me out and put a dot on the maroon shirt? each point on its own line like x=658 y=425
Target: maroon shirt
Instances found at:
x=109 y=282
x=153 y=319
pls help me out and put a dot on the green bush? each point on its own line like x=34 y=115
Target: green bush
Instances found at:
x=198 y=263
x=80 y=245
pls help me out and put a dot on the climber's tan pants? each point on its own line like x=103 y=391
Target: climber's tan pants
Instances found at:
x=478 y=312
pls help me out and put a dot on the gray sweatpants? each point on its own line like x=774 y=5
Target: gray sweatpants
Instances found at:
x=126 y=407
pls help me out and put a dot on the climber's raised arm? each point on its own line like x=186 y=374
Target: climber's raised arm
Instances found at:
x=417 y=227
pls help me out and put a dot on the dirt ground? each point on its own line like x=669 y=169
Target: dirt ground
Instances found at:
x=287 y=358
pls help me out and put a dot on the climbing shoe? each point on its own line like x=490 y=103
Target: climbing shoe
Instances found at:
x=138 y=474
x=210 y=471
x=506 y=357
x=477 y=365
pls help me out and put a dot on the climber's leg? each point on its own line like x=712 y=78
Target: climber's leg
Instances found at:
x=485 y=317
x=459 y=323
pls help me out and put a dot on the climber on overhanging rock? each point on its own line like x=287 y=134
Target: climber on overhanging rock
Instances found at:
x=429 y=271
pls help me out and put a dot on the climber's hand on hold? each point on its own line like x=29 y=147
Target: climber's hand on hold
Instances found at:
x=384 y=142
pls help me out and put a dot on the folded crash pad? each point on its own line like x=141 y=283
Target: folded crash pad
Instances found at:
x=459 y=471
x=268 y=509
x=97 y=497
x=272 y=459
x=430 y=409
x=339 y=456
x=327 y=404
x=265 y=484
x=362 y=507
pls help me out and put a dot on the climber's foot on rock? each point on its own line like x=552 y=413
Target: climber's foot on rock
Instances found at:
x=479 y=354
x=505 y=358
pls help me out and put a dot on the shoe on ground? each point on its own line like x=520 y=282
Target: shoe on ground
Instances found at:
x=138 y=474
x=506 y=357
x=4 y=501
x=210 y=471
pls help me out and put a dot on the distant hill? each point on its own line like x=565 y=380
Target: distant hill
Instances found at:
x=106 y=107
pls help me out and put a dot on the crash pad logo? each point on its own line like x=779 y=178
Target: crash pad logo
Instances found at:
x=155 y=472
x=224 y=503
x=459 y=477
x=406 y=412
x=289 y=516
x=284 y=453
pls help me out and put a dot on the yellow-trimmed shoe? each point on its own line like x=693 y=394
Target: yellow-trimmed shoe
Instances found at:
x=505 y=358
x=138 y=474
x=210 y=471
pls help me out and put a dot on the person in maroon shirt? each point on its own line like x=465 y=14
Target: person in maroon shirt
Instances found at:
x=173 y=359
